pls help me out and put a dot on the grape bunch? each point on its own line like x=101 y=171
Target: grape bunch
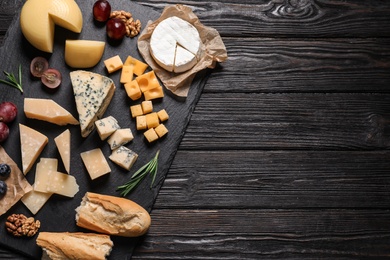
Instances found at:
x=8 y=112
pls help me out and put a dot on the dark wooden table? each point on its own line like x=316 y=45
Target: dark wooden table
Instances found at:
x=287 y=152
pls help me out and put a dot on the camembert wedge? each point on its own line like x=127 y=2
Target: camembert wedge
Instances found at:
x=93 y=93
x=38 y=19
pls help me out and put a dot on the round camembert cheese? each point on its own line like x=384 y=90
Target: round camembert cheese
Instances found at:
x=39 y=17
x=175 y=44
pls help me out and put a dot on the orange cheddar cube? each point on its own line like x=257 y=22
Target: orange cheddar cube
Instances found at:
x=136 y=110
x=113 y=64
x=139 y=66
x=133 y=90
x=163 y=115
x=154 y=93
x=161 y=130
x=147 y=106
x=127 y=73
x=151 y=135
x=152 y=120
x=141 y=122
x=148 y=81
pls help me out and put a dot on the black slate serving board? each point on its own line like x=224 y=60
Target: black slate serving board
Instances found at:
x=58 y=215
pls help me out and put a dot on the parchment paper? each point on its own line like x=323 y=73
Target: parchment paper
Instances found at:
x=212 y=51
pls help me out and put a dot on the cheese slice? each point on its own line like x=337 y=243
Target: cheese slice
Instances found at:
x=93 y=93
x=38 y=19
x=124 y=157
x=32 y=143
x=175 y=44
x=83 y=54
x=95 y=162
x=63 y=145
x=106 y=126
x=34 y=200
x=48 y=110
x=120 y=137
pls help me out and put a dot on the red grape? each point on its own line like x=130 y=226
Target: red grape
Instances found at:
x=4 y=131
x=101 y=10
x=8 y=112
x=51 y=78
x=116 y=29
x=38 y=66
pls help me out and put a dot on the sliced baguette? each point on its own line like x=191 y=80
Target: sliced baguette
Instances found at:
x=78 y=245
x=112 y=215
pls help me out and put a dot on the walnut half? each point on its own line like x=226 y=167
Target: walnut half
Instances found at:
x=133 y=27
x=19 y=225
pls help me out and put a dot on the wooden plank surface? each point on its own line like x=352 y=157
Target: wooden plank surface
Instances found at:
x=287 y=153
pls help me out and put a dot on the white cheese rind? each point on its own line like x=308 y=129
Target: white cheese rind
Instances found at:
x=93 y=93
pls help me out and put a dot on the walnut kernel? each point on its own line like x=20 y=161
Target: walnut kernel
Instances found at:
x=133 y=27
x=19 y=225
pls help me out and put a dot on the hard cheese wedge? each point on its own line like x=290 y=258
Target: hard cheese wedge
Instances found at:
x=83 y=54
x=48 y=110
x=32 y=143
x=34 y=200
x=93 y=93
x=39 y=17
x=63 y=145
x=95 y=162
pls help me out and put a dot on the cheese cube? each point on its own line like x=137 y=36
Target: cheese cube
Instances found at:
x=147 y=106
x=148 y=81
x=163 y=115
x=106 y=126
x=161 y=130
x=133 y=90
x=124 y=157
x=152 y=120
x=139 y=66
x=120 y=137
x=113 y=64
x=141 y=122
x=95 y=162
x=151 y=135
x=136 y=110
x=154 y=93
x=127 y=73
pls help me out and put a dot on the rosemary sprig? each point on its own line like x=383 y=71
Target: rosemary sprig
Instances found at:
x=151 y=167
x=12 y=80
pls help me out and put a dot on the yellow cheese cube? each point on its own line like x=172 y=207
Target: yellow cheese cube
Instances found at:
x=136 y=110
x=127 y=73
x=113 y=64
x=147 y=106
x=163 y=115
x=139 y=66
x=154 y=93
x=151 y=135
x=148 y=81
x=152 y=120
x=161 y=130
x=133 y=90
x=141 y=122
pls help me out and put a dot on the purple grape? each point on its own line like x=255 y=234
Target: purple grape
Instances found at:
x=116 y=29
x=101 y=10
x=8 y=112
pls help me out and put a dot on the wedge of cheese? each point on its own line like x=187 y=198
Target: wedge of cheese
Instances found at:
x=93 y=93
x=32 y=143
x=38 y=19
x=63 y=145
x=83 y=54
x=175 y=44
x=48 y=110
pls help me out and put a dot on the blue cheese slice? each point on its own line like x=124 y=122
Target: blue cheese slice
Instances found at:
x=120 y=137
x=106 y=126
x=93 y=93
x=124 y=157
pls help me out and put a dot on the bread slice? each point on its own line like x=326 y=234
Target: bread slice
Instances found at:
x=78 y=245
x=112 y=215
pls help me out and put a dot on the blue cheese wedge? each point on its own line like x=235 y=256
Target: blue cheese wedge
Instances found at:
x=175 y=44
x=124 y=157
x=120 y=137
x=106 y=127
x=93 y=93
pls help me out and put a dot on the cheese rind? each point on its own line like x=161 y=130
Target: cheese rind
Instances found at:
x=48 y=110
x=39 y=17
x=124 y=157
x=93 y=93
x=95 y=162
x=106 y=127
x=83 y=54
x=32 y=143
x=63 y=145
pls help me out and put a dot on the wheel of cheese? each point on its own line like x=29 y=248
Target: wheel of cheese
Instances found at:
x=39 y=17
x=175 y=44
